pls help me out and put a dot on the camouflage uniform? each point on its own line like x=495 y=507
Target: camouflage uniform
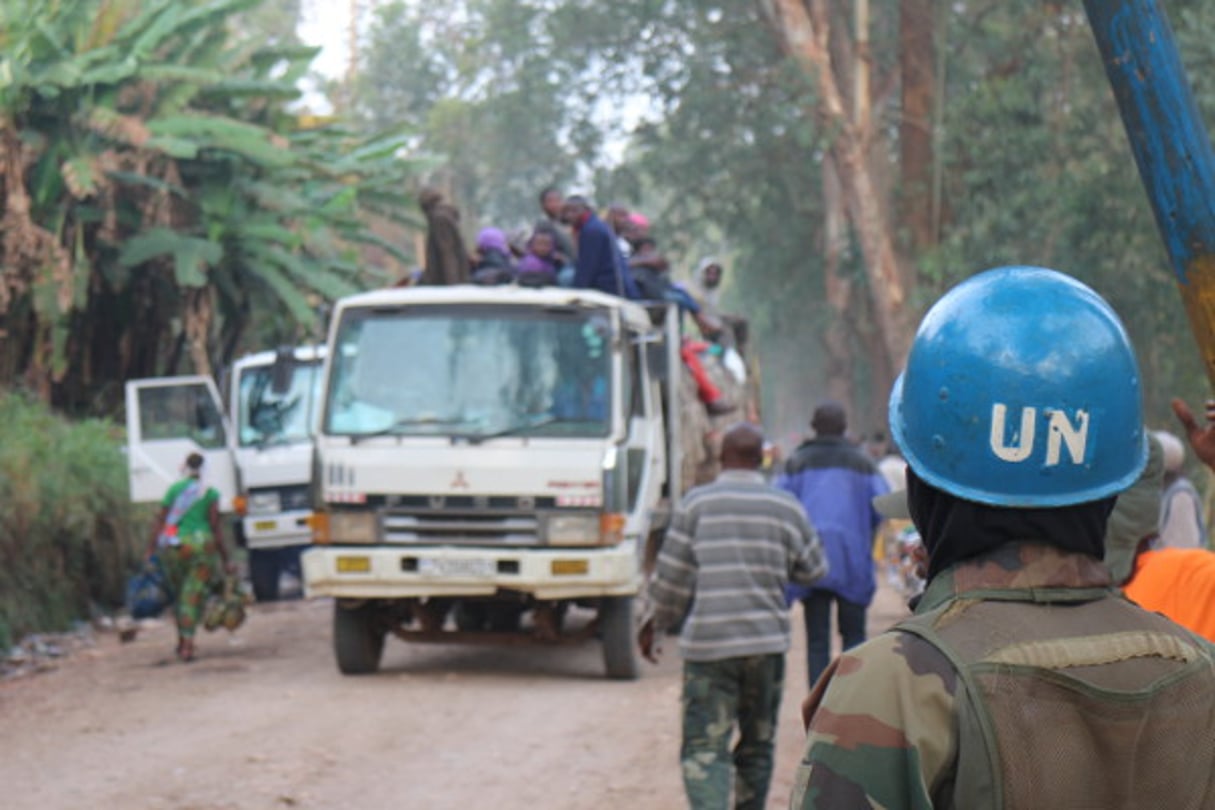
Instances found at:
x=715 y=694
x=1023 y=681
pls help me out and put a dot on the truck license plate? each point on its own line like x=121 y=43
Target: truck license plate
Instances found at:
x=265 y=525
x=353 y=565
x=457 y=567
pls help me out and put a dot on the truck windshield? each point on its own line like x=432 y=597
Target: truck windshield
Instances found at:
x=266 y=417
x=475 y=372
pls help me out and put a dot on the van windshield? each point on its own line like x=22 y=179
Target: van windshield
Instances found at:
x=266 y=417
x=473 y=371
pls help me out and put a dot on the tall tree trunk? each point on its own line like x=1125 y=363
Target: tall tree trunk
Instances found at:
x=804 y=31
x=38 y=372
x=917 y=66
x=840 y=361
x=880 y=371
x=198 y=312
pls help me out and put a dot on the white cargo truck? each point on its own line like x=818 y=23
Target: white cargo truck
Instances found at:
x=490 y=462
x=259 y=456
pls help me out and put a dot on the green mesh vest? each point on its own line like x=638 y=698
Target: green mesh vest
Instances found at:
x=1074 y=698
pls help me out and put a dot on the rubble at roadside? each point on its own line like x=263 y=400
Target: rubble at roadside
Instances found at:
x=42 y=652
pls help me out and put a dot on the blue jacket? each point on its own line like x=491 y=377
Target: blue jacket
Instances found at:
x=599 y=261
x=836 y=483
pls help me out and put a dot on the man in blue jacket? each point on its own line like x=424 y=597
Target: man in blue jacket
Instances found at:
x=836 y=482
x=600 y=265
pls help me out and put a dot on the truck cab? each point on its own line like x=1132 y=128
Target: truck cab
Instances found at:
x=258 y=450
x=272 y=399
x=490 y=462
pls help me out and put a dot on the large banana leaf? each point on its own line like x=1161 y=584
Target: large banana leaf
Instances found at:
x=192 y=256
x=270 y=231
x=268 y=273
x=310 y=273
x=208 y=131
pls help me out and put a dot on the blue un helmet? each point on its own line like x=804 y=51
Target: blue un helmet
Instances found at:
x=1022 y=390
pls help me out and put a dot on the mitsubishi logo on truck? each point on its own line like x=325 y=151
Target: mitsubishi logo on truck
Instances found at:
x=459 y=482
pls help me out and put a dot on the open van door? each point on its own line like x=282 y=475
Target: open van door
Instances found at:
x=167 y=419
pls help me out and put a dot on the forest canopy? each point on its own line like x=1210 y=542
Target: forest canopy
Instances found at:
x=168 y=204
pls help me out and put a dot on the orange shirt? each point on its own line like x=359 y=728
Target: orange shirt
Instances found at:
x=1180 y=583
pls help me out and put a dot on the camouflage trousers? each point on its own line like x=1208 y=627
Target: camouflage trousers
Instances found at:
x=717 y=696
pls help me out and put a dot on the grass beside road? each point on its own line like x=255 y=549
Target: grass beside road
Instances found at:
x=68 y=533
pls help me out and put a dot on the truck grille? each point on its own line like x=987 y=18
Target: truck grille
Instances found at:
x=454 y=526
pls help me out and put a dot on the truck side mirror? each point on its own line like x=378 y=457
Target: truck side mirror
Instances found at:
x=282 y=370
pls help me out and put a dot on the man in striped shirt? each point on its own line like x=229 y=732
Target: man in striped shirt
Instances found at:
x=731 y=548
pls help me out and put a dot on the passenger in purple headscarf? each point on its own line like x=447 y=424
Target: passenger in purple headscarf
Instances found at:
x=494 y=264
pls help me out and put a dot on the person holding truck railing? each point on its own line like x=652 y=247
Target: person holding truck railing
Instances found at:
x=732 y=547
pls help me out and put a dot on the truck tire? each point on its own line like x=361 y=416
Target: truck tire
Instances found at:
x=619 y=646
x=358 y=639
x=470 y=616
x=263 y=573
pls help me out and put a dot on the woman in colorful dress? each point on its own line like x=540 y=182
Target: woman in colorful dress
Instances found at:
x=188 y=540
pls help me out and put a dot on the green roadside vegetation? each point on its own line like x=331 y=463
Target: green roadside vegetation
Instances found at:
x=69 y=536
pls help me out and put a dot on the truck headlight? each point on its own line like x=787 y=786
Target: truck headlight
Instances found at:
x=570 y=528
x=266 y=502
x=354 y=527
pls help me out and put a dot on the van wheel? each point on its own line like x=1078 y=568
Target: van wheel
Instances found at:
x=619 y=645
x=358 y=639
x=263 y=574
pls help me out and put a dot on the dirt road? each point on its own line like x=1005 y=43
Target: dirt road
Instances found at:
x=263 y=720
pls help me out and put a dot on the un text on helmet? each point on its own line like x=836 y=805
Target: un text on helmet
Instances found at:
x=1061 y=432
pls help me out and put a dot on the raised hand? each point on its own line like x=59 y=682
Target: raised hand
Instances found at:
x=1202 y=438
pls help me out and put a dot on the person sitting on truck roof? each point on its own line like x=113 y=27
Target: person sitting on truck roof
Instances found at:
x=540 y=266
x=650 y=271
x=600 y=265
x=636 y=227
x=446 y=256
x=649 y=268
x=715 y=325
x=553 y=204
x=617 y=218
x=494 y=265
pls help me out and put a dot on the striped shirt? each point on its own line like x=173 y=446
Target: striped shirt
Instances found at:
x=731 y=548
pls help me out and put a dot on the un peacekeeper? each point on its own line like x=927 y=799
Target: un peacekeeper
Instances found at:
x=1023 y=680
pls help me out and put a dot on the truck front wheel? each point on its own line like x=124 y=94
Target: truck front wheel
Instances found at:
x=619 y=646
x=358 y=639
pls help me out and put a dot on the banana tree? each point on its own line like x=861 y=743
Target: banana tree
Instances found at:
x=159 y=196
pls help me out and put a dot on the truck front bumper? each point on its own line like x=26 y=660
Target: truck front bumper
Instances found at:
x=277 y=529
x=403 y=572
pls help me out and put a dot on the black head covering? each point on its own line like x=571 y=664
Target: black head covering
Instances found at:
x=954 y=529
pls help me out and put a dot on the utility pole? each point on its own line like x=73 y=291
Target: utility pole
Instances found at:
x=1170 y=145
